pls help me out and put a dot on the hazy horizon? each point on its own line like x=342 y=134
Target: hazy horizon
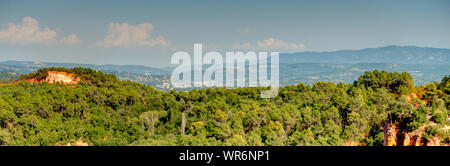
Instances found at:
x=171 y=66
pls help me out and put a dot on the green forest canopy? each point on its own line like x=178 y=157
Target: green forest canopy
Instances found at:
x=103 y=110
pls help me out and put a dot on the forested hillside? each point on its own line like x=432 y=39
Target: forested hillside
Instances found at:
x=103 y=110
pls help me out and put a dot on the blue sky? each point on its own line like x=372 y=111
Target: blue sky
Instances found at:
x=149 y=32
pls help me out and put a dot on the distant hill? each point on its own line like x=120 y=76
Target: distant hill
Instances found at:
x=70 y=76
x=388 y=54
x=158 y=78
x=32 y=66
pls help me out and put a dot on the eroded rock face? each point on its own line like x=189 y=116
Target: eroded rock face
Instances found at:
x=412 y=140
x=56 y=76
x=390 y=135
x=434 y=142
x=77 y=143
x=394 y=137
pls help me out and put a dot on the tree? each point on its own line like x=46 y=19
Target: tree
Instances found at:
x=149 y=119
x=273 y=134
x=187 y=109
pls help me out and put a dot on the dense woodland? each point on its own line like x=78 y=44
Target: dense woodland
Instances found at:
x=103 y=110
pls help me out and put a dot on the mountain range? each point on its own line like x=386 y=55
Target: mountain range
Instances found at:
x=387 y=54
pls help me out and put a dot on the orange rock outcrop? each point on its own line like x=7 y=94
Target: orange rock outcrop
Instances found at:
x=394 y=137
x=57 y=77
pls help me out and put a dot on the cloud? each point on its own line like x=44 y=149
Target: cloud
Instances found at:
x=28 y=32
x=124 y=35
x=271 y=44
x=71 y=39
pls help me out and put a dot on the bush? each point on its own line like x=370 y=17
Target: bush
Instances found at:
x=439 y=117
x=5 y=137
x=430 y=132
x=412 y=126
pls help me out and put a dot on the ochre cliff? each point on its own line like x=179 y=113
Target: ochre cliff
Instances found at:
x=66 y=78
x=410 y=98
x=390 y=134
x=77 y=143
x=57 y=77
x=394 y=137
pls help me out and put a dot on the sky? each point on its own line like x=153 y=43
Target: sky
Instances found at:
x=150 y=32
